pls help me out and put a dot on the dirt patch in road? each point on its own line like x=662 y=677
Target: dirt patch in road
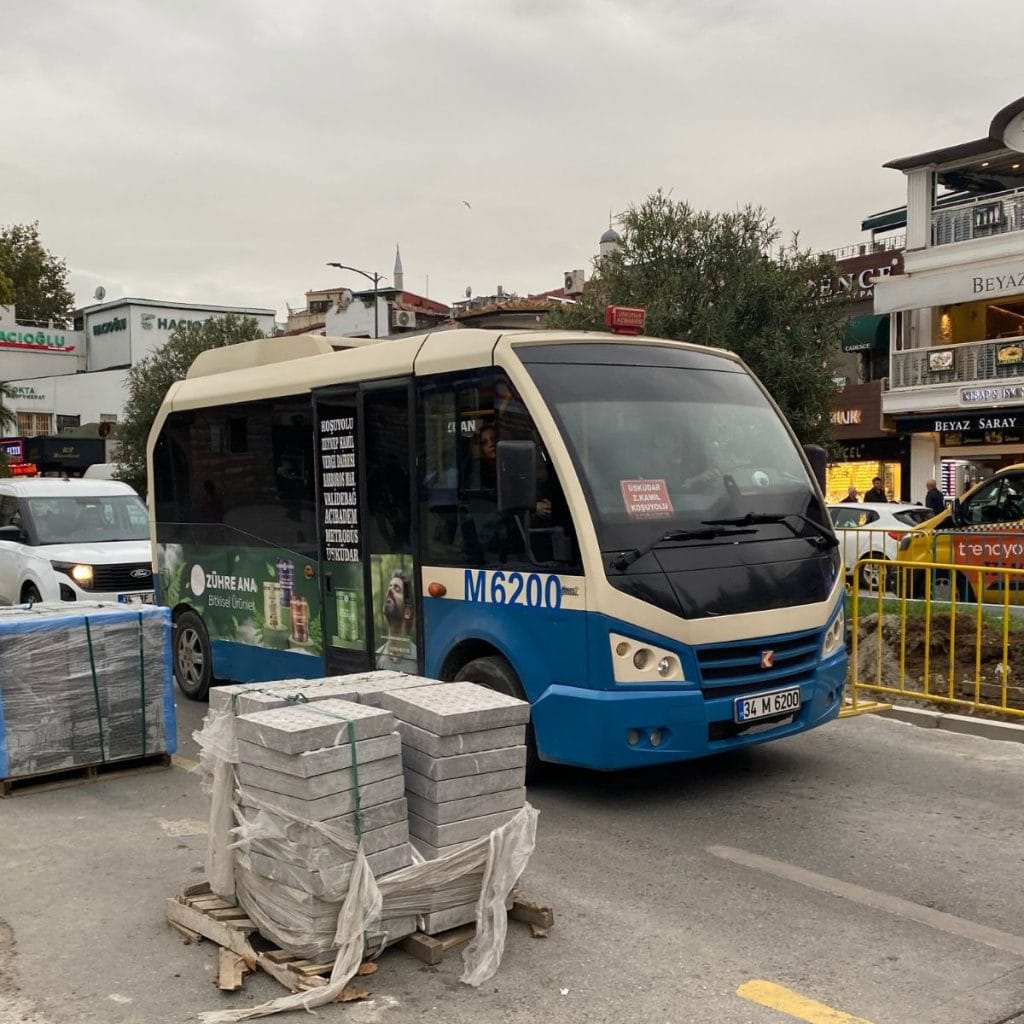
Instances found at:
x=14 y=1008
x=975 y=668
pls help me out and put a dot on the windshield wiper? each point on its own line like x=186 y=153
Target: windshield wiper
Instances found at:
x=627 y=558
x=824 y=539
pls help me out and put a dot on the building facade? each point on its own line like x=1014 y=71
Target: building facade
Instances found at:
x=65 y=378
x=868 y=445
x=956 y=373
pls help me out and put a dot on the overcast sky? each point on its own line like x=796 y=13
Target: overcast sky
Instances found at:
x=222 y=151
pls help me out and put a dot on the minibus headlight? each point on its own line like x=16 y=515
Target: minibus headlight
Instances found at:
x=635 y=662
x=835 y=635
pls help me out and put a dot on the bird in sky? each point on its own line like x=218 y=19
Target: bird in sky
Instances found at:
x=466 y=205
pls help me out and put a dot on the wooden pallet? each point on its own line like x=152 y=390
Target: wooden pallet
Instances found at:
x=199 y=914
x=39 y=781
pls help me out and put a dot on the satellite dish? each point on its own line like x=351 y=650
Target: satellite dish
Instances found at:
x=469 y=292
x=100 y=294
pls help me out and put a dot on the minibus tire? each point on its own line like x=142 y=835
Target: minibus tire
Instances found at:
x=192 y=645
x=497 y=674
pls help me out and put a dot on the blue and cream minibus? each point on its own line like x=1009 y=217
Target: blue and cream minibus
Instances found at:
x=622 y=530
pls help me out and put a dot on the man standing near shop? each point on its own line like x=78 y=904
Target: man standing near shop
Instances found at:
x=934 y=498
x=851 y=495
x=877 y=493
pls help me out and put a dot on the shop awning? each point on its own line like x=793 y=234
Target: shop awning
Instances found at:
x=866 y=333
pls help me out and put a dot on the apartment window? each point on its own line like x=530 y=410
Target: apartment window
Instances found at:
x=67 y=422
x=31 y=424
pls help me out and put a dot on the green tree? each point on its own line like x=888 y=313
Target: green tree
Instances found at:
x=32 y=278
x=707 y=278
x=149 y=379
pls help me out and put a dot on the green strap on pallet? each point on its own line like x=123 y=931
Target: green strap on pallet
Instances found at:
x=142 y=685
x=300 y=698
x=95 y=688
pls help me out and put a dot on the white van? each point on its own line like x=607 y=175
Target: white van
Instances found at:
x=101 y=471
x=73 y=540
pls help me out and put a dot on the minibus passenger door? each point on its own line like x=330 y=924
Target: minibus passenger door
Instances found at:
x=344 y=613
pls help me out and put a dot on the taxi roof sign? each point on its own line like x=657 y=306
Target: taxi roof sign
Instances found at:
x=625 y=319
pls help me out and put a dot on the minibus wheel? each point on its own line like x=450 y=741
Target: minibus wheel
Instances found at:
x=497 y=674
x=193 y=656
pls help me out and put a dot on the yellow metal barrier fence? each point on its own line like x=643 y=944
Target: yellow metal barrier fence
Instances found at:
x=955 y=653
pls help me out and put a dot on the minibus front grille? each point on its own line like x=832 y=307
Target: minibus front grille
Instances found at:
x=728 y=670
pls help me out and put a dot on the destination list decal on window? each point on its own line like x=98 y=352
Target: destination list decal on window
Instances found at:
x=646 y=499
x=338 y=483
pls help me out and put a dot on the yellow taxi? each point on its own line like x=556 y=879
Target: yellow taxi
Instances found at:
x=985 y=527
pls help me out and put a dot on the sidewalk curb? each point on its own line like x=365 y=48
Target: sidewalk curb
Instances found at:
x=963 y=724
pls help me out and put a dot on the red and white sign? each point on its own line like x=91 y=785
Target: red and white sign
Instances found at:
x=646 y=499
x=625 y=319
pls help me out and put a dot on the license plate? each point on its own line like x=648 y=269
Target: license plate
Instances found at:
x=766 y=705
x=143 y=597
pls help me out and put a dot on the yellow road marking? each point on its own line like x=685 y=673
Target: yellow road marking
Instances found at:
x=776 y=997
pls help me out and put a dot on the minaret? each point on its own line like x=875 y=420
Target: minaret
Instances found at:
x=609 y=240
x=397 y=276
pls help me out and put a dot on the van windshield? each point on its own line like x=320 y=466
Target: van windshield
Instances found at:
x=90 y=519
x=662 y=447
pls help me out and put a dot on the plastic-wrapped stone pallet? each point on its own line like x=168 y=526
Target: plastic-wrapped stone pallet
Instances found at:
x=83 y=684
x=298 y=832
x=463 y=747
x=274 y=828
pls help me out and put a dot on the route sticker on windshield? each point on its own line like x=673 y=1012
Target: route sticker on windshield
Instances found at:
x=646 y=499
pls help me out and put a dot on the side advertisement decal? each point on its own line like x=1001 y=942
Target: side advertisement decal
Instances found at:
x=265 y=597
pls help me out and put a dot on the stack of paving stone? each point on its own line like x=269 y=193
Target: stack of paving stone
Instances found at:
x=464 y=757
x=82 y=684
x=296 y=767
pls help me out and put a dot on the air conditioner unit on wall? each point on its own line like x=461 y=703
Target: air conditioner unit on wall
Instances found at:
x=573 y=282
x=404 y=318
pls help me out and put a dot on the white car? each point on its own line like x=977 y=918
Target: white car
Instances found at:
x=873 y=530
x=73 y=540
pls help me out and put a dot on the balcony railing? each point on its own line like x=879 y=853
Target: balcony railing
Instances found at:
x=981 y=218
x=893 y=242
x=972 y=361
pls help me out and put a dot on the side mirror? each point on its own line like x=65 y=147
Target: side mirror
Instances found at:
x=517 y=476
x=818 y=458
x=12 y=533
x=956 y=513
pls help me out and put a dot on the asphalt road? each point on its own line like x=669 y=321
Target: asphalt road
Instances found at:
x=871 y=869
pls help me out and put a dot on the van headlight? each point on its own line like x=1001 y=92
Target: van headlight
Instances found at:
x=81 y=574
x=835 y=635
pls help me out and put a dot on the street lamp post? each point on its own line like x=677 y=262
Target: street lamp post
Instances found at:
x=375 y=278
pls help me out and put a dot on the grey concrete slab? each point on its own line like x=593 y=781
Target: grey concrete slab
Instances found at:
x=325 y=723
x=244 y=698
x=458 y=831
x=461 y=765
x=326 y=807
x=467 y=786
x=470 y=807
x=330 y=879
x=438 y=921
x=308 y=763
x=315 y=851
x=372 y=817
x=449 y=708
x=430 y=852
x=460 y=743
x=317 y=786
